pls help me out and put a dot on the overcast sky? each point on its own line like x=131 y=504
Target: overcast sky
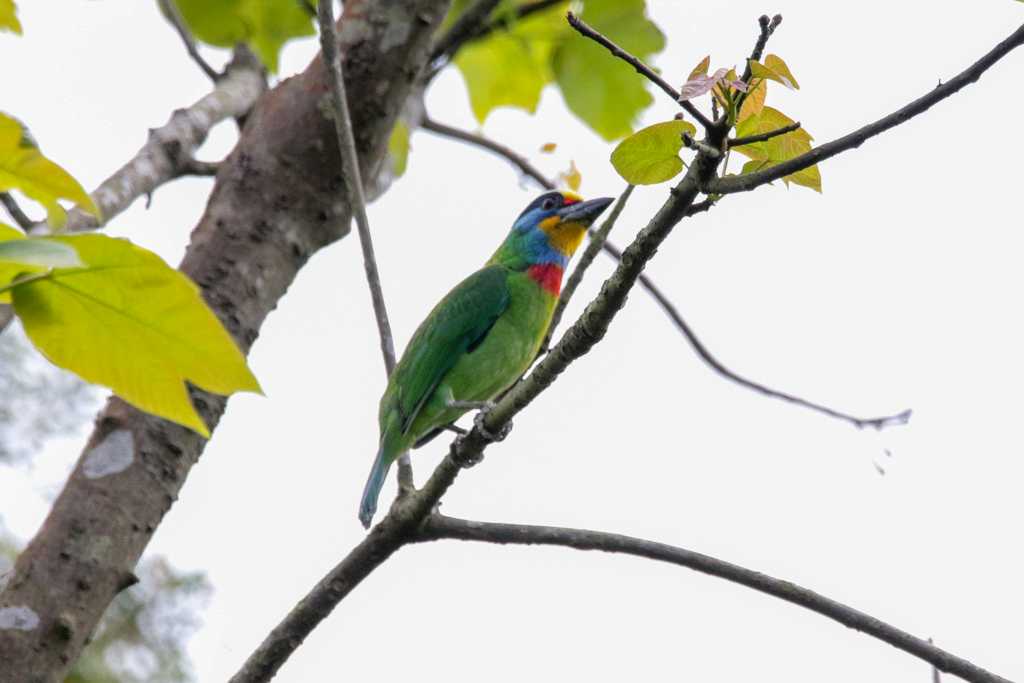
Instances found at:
x=898 y=287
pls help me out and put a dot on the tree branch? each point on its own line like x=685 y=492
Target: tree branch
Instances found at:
x=168 y=150
x=15 y=212
x=641 y=68
x=170 y=10
x=745 y=183
x=705 y=355
x=526 y=168
x=597 y=241
x=357 y=200
x=768 y=27
x=408 y=512
x=468 y=23
x=761 y=137
x=438 y=527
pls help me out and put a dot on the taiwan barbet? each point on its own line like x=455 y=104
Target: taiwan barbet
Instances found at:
x=483 y=335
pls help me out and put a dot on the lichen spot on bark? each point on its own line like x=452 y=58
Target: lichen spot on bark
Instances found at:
x=20 y=618
x=112 y=455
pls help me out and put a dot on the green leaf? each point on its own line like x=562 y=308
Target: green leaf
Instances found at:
x=266 y=25
x=130 y=322
x=23 y=167
x=780 y=148
x=651 y=155
x=605 y=92
x=9 y=17
x=398 y=148
x=701 y=69
x=510 y=68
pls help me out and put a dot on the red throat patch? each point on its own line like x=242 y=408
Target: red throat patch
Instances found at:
x=548 y=276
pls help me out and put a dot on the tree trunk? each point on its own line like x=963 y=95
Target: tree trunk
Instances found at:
x=277 y=199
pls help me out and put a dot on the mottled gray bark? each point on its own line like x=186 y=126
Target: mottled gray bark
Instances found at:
x=277 y=199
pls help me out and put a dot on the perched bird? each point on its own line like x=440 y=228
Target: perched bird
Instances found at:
x=482 y=335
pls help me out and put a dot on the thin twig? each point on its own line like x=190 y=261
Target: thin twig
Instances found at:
x=641 y=68
x=745 y=183
x=648 y=284
x=768 y=27
x=597 y=240
x=468 y=23
x=357 y=201
x=761 y=137
x=517 y=160
x=438 y=527
x=716 y=365
x=170 y=10
x=17 y=215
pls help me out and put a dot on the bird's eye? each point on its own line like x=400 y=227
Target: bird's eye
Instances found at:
x=548 y=204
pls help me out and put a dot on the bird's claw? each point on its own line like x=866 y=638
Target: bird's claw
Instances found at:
x=478 y=422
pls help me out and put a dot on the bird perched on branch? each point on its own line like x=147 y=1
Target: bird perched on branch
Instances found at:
x=483 y=335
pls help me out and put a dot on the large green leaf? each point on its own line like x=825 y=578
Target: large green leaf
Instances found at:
x=651 y=155
x=510 y=68
x=23 y=167
x=266 y=25
x=779 y=148
x=604 y=91
x=9 y=17
x=130 y=322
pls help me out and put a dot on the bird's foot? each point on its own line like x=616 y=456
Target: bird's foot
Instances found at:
x=478 y=422
x=470 y=405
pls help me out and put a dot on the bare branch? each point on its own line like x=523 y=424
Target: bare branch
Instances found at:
x=705 y=355
x=170 y=10
x=439 y=527
x=15 y=212
x=641 y=68
x=768 y=27
x=597 y=241
x=354 y=183
x=171 y=146
x=510 y=155
x=750 y=181
x=468 y=23
x=761 y=137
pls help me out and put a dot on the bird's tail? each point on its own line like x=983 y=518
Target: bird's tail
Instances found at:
x=368 y=506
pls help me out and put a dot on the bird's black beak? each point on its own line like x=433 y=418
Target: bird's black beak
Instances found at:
x=584 y=212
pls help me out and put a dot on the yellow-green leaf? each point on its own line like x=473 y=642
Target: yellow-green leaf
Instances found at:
x=23 y=167
x=754 y=102
x=759 y=70
x=605 y=92
x=780 y=148
x=775 y=63
x=651 y=155
x=9 y=17
x=9 y=232
x=266 y=25
x=510 y=68
x=701 y=69
x=571 y=178
x=130 y=322
x=398 y=148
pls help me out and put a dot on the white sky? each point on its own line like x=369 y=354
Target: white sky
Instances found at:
x=899 y=287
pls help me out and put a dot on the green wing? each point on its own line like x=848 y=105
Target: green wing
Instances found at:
x=457 y=325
